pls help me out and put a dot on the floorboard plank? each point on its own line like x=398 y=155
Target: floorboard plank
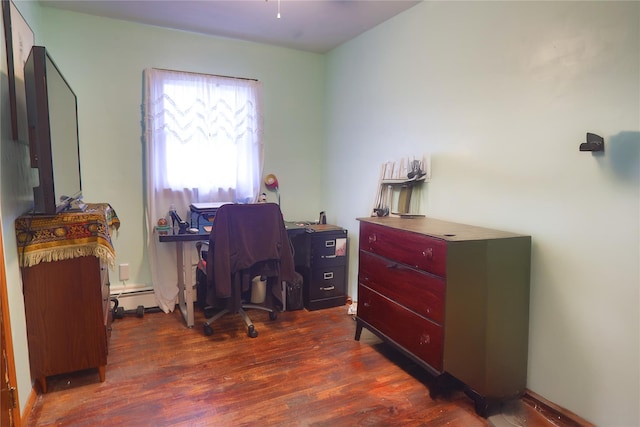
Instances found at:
x=304 y=369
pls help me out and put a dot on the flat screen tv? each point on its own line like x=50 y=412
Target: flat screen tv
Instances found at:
x=52 y=116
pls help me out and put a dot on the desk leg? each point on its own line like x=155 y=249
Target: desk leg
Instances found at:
x=188 y=289
x=185 y=292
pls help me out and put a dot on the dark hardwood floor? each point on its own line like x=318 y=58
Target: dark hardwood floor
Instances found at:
x=304 y=368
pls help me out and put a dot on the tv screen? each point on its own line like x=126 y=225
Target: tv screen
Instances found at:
x=52 y=116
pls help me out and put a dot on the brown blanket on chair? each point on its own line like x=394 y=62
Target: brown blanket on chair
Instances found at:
x=248 y=237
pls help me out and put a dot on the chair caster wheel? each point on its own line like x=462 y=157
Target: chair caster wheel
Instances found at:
x=251 y=331
x=273 y=315
x=208 y=330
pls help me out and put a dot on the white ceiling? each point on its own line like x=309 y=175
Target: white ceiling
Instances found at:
x=310 y=25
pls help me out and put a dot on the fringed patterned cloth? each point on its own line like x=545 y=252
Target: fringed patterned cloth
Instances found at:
x=44 y=238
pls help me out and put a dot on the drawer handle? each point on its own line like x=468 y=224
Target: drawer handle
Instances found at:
x=393 y=266
x=372 y=238
x=428 y=253
x=366 y=304
x=328 y=275
x=328 y=288
x=328 y=256
x=329 y=243
x=425 y=339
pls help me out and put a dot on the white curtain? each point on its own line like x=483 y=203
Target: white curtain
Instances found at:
x=203 y=143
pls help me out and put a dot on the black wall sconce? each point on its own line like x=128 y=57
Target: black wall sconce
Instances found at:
x=594 y=143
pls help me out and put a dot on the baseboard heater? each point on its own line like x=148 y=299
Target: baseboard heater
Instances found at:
x=132 y=299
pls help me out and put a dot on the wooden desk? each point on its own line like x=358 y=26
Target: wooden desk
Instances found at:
x=186 y=296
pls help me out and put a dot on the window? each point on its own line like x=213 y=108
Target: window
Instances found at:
x=202 y=143
x=206 y=135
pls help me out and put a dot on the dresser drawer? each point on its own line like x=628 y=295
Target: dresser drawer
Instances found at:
x=417 y=250
x=327 y=282
x=417 y=335
x=418 y=291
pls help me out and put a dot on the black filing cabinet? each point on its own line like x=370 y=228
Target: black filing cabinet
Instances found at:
x=321 y=258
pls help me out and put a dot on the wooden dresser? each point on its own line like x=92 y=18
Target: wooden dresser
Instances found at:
x=65 y=277
x=452 y=297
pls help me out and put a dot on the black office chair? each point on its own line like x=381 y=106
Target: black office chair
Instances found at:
x=246 y=241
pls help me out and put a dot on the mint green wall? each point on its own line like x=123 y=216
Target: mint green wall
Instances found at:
x=502 y=94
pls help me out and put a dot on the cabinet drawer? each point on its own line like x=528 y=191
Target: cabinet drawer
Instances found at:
x=417 y=335
x=329 y=248
x=418 y=291
x=104 y=284
x=106 y=299
x=417 y=250
x=327 y=282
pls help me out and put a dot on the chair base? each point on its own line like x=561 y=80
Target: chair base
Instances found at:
x=251 y=330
